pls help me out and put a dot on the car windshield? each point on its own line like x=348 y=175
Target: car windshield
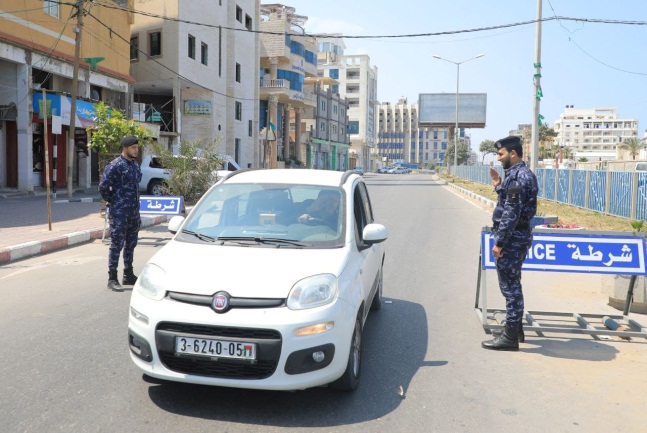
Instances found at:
x=275 y=215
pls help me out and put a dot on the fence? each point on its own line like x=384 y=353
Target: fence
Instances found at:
x=619 y=193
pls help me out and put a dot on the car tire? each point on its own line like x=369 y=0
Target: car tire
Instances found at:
x=377 y=298
x=350 y=379
x=156 y=187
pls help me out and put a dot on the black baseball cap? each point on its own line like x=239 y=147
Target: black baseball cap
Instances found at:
x=129 y=140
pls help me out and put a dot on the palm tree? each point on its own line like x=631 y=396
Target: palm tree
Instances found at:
x=634 y=146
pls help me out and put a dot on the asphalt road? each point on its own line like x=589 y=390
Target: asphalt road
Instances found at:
x=65 y=367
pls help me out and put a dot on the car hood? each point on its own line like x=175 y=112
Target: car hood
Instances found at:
x=263 y=272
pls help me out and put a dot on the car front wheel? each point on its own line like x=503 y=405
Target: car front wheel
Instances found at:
x=350 y=379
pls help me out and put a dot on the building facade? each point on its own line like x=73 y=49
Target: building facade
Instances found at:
x=358 y=84
x=37 y=52
x=401 y=139
x=197 y=74
x=325 y=128
x=287 y=58
x=593 y=133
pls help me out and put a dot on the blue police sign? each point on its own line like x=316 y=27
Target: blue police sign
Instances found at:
x=578 y=251
x=160 y=205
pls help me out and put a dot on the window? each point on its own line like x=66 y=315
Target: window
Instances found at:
x=51 y=8
x=248 y=22
x=334 y=109
x=239 y=14
x=249 y=127
x=334 y=129
x=238 y=72
x=192 y=47
x=239 y=110
x=323 y=105
x=204 y=53
x=322 y=126
x=155 y=44
x=220 y=51
x=134 y=48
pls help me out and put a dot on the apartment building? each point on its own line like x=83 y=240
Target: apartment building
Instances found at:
x=358 y=84
x=288 y=57
x=325 y=127
x=402 y=139
x=37 y=52
x=197 y=72
x=593 y=133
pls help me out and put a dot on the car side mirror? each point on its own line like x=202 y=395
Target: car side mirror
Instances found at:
x=374 y=233
x=175 y=223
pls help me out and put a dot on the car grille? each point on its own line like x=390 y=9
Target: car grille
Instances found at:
x=269 y=351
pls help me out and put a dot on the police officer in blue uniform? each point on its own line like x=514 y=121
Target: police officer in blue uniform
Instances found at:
x=516 y=205
x=119 y=187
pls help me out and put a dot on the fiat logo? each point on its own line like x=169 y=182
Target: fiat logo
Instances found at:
x=220 y=302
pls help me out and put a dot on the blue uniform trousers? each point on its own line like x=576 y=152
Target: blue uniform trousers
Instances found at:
x=124 y=231
x=508 y=270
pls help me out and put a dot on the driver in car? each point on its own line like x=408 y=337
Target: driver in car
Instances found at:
x=323 y=210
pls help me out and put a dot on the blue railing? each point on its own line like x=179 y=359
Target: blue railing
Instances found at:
x=619 y=193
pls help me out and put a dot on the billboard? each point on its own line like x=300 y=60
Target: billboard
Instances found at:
x=439 y=110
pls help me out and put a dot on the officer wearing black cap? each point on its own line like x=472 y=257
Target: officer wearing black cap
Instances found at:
x=119 y=187
x=515 y=207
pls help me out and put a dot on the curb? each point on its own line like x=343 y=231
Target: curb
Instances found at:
x=480 y=198
x=35 y=248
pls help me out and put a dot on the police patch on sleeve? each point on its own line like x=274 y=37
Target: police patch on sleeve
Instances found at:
x=514 y=193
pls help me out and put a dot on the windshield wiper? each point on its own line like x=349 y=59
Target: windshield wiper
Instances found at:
x=276 y=241
x=199 y=235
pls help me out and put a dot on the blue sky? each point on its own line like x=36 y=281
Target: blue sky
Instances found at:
x=583 y=64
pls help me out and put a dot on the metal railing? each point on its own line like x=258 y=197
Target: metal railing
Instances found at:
x=618 y=193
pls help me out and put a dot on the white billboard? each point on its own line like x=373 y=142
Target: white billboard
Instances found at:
x=439 y=109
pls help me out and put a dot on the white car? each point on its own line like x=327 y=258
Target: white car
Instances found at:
x=253 y=292
x=154 y=174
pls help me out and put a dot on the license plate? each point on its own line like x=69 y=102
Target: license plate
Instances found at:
x=215 y=348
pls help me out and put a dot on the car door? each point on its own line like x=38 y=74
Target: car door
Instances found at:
x=369 y=254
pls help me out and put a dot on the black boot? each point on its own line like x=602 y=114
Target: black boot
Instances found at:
x=520 y=335
x=508 y=340
x=129 y=278
x=113 y=281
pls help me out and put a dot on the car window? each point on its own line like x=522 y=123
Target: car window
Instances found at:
x=368 y=210
x=311 y=215
x=360 y=215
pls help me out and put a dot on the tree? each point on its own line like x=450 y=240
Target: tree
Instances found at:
x=463 y=154
x=192 y=170
x=546 y=138
x=110 y=127
x=583 y=159
x=487 y=147
x=634 y=146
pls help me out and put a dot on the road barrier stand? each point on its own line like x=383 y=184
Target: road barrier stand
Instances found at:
x=580 y=251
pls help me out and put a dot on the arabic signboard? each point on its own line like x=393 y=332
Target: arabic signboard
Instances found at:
x=61 y=105
x=578 y=252
x=197 y=107
x=160 y=205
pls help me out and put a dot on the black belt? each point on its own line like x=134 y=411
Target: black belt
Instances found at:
x=520 y=226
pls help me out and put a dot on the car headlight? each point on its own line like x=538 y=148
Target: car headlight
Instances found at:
x=150 y=282
x=313 y=292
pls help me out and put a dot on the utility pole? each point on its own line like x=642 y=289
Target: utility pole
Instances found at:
x=534 y=157
x=75 y=90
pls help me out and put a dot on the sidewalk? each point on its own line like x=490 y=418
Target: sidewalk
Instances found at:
x=24 y=228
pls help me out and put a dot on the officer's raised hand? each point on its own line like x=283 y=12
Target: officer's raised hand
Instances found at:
x=496 y=178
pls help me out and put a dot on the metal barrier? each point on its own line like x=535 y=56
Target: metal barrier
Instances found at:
x=619 y=193
x=611 y=253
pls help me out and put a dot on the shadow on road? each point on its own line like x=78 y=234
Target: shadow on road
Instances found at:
x=395 y=346
x=576 y=349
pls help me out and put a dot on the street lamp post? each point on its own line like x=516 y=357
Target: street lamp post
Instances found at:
x=458 y=65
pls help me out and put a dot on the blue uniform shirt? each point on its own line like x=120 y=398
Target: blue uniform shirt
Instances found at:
x=517 y=201
x=120 y=186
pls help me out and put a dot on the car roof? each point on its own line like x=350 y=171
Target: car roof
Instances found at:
x=302 y=177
